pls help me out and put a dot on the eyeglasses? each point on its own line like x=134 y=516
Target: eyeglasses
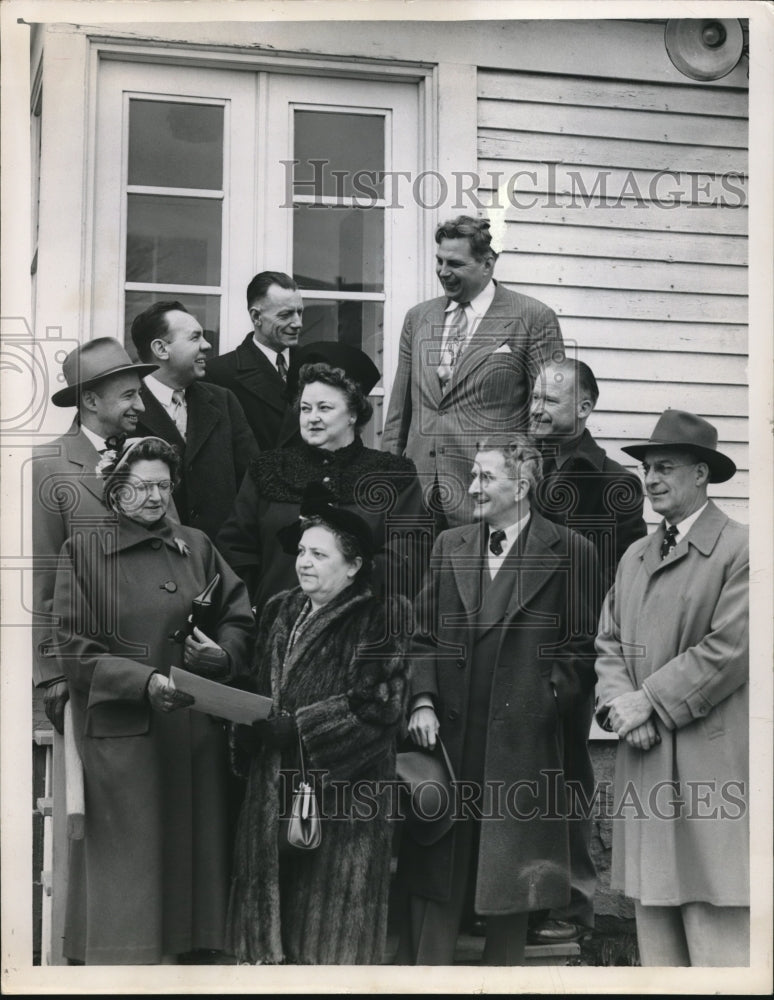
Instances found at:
x=665 y=469
x=141 y=488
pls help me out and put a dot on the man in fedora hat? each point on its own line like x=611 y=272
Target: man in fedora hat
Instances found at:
x=104 y=384
x=672 y=674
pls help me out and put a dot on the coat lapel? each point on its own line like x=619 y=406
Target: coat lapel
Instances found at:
x=492 y=332
x=466 y=565
x=539 y=559
x=203 y=417
x=157 y=421
x=703 y=536
x=257 y=376
x=81 y=453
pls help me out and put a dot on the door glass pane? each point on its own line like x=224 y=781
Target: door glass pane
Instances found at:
x=173 y=144
x=206 y=308
x=353 y=144
x=339 y=248
x=359 y=324
x=173 y=240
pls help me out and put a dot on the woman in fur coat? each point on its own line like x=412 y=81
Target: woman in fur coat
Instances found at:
x=331 y=657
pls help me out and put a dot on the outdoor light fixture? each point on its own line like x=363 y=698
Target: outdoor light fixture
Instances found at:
x=704 y=48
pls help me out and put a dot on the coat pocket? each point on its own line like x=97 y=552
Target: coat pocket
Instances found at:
x=121 y=718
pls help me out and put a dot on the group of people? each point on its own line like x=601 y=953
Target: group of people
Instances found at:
x=484 y=581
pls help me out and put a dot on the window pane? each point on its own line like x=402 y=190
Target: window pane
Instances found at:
x=173 y=240
x=175 y=145
x=351 y=143
x=339 y=248
x=206 y=308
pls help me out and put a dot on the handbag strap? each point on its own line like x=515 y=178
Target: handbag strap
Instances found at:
x=302 y=766
x=445 y=759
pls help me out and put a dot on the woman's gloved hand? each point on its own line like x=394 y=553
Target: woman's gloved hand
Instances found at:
x=164 y=696
x=204 y=657
x=276 y=733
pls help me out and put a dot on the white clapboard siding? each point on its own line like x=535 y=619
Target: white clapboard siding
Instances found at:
x=646 y=269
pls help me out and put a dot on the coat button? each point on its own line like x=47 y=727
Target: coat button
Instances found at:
x=170 y=586
x=442 y=413
x=461 y=664
x=326 y=479
x=454 y=714
x=432 y=453
x=156 y=543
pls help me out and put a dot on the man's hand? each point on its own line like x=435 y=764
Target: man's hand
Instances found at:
x=164 y=696
x=628 y=711
x=55 y=697
x=204 y=657
x=643 y=737
x=423 y=727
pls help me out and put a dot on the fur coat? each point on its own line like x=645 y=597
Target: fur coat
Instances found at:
x=327 y=906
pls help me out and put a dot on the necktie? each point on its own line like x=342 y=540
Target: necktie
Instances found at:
x=455 y=342
x=179 y=414
x=282 y=367
x=496 y=540
x=669 y=541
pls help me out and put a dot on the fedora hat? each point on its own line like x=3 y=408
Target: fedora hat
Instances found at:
x=427 y=776
x=318 y=501
x=92 y=361
x=678 y=429
x=354 y=363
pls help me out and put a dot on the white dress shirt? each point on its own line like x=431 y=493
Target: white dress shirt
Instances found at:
x=98 y=442
x=474 y=312
x=512 y=532
x=163 y=394
x=271 y=354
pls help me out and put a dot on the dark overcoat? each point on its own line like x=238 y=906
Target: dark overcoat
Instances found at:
x=257 y=384
x=151 y=875
x=377 y=486
x=330 y=905
x=216 y=452
x=543 y=665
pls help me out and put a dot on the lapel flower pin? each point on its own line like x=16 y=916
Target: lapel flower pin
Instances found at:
x=182 y=547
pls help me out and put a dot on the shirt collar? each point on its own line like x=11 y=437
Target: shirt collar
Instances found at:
x=513 y=531
x=271 y=355
x=96 y=440
x=480 y=304
x=683 y=527
x=163 y=393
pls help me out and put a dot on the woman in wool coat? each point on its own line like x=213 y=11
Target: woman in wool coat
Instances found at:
x=149 y=881
x=330 y=655
x=379 y=487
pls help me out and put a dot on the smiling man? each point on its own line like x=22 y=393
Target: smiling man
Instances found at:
x=672 y=674
x=466 y=365
x=205 y=422
x=502 y=652
x=256 y=372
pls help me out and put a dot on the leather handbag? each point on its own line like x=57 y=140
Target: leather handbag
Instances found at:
x=301 y=830
x=428 y=778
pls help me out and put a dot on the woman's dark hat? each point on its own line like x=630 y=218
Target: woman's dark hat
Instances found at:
x=91 y=362
x=320 y=502
x=428 y=777
x=678 y=429
x=355 y=363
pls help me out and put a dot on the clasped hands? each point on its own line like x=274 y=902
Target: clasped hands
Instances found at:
x=204 y=657
x=630 y=716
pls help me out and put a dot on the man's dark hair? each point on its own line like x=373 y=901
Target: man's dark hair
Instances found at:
x=152 y=324
x=585 y=381
x=263 y=281
x=476 y=231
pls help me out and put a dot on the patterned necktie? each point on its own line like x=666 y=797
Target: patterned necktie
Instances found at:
x=282 y=367
x=669 y=541
x=179 y=414
x=455 y=342
x=496 y=540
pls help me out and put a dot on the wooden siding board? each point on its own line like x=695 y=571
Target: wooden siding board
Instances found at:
x=709 y=369
x=629 y=396
x=640 y=95
x=642 y=335
x=639 y=126
x=737 y=452
x=542 y=209
x=624 y=425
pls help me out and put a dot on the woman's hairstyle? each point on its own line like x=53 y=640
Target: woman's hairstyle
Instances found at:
x=359 y=405
x=117 y=470
x=349 y=545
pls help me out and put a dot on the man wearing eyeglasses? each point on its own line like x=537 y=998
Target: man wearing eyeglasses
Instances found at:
x=672 y=674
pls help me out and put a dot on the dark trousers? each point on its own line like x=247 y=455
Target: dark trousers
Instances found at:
x=429 y=932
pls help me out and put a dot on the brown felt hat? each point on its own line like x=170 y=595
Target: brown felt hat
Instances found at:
x=90 y=363
x=678 y=429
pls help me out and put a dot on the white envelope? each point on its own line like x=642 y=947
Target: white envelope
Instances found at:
x=503 y=349
x=218 y=699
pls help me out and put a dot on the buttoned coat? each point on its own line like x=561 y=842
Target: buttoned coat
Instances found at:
x=678 y=628
x=543 y=666
x=65 y=490
x=151 y=874
x=489 y=392
x=255 y=382
x=216 y=452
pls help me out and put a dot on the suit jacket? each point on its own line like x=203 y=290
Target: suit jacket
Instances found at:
x=597 y=497
x=538 y=631
x=489 y=391
x=217 y=450
x=679 y=629
x=66 y=491
x=257 y=385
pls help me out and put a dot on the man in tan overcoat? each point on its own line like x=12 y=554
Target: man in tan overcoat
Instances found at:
x=672 y=673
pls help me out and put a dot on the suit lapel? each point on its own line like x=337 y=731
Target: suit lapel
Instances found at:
x=538 y=560
x=493 y=330
x=203 y=416
x=81 y=453
x=258 y=376
x=431 y=339
x=466 y=565
x=157 y=421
